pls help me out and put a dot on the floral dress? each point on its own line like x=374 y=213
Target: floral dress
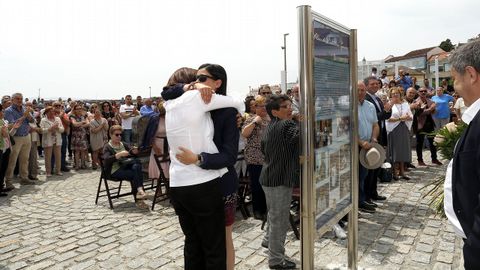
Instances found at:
x=79 y=134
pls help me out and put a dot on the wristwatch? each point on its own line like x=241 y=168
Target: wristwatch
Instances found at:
x=199 y=160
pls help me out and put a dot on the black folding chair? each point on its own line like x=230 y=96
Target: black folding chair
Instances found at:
x=110 y=192
x=162 y=181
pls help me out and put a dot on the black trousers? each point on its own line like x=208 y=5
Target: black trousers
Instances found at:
x=200 y=210
x=471 y=257
x=3 y=166
x=420 y=139
x=370 y=185
x=259 y=204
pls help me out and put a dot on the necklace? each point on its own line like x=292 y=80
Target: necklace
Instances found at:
x=400 y=109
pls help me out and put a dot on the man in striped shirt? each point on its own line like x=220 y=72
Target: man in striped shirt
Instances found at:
x=280 y=146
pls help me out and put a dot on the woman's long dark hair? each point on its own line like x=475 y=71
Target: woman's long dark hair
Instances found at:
x=219 y=73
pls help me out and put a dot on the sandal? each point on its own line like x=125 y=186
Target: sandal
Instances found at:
x=141 y=195
x=141 y=204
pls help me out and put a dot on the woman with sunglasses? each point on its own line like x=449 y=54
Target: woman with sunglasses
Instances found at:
x=114 y=151
x=253 y=130
x=214 y=231
x=107 y=113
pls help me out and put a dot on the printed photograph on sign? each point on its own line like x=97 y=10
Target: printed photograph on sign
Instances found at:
x=323 y=133
x=342 y=130
x=323 y=195
x=322 y=169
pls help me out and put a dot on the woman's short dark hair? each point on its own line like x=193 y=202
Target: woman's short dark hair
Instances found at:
x=248 y=99
x=274 y=102
x=182 y=75
x=219 y=73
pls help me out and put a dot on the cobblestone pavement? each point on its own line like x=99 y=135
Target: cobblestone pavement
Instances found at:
x=56 y=225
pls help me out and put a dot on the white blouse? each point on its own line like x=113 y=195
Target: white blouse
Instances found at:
x=188 y=124
x=51 y=138
x=399 y=110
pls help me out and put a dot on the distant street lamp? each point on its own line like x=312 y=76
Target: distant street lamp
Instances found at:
x=284 y=48
x=150 y=91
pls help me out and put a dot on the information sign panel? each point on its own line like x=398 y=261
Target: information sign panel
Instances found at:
x=333 y=122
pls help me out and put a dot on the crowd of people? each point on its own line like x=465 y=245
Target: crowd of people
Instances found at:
x=206 y=132
x=68 y=134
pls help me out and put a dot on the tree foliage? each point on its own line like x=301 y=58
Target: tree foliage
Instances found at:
x=446 y=45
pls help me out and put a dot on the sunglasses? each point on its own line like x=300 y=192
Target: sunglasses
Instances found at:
x=117 y=134
x=423 y=91
x=203 y=78
x=265 y=93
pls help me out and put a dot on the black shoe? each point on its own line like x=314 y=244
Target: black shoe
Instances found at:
x=65 y=170
x=3 y=194
x=265 y=244
x=395 y=178
x=285 y=265
x=32 y=178
x=369 y=202
x=410 y=165
x=7 y=189
x=406 y=177
x=379 y=198
x=366 y=208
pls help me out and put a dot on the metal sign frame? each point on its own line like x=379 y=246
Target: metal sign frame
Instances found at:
x=309 y=232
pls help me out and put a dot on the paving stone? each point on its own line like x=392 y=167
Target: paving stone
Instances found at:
x=42 y=265
x=445 y=257
x=424 y=248
x=396 y=258
x=16 y=265
x=404 y=249
x=83 y=265
x=380 y=248
x=446 y=246
x=374 y=258
x=88 y=248
x=441 y=266
x=60 y=223
x=421 y=257
x=427 y=239
x=65 y=256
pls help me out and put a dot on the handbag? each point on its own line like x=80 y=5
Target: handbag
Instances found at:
x=127 y=161
x=386 y=175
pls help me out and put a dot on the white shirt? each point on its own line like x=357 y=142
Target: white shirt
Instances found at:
x=188 y=124
x=467 y=117
x=399 y=110
x=127 y=122
x=460 y=105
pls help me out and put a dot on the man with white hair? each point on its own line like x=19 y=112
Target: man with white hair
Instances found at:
x=19 y=118
x=368 y=131
x=462 y=181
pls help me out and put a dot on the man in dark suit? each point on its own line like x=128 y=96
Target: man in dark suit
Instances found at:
x=383 y=113
x=462 y=181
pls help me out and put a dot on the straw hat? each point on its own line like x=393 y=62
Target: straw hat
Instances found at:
x=372 y=158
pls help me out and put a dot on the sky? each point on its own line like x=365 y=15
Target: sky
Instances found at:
x=109 y=48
